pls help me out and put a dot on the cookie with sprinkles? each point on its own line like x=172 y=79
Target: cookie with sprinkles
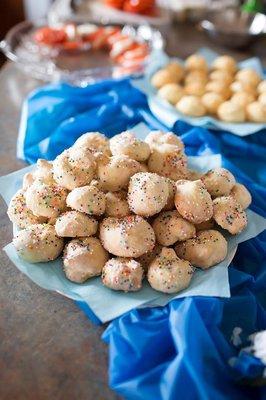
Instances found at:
x=123 y=274
x=114 y=173
x=146 y=259
x=193 y=201
x=229 y=214
x=87 y=199
x=148 y=193
x=20 y=214
x=169 y=274
x=219 y=182
x=170 y=227
x=127 y=144
x=116 y=204
x=46 y=200
x=75 y=224
x=241 y=194
x=84 y=258
x=94 y=142
x=137 y=197
x=130 y=236
x=38 y=243
x=71 y=169
x=208 y=248
x=44 y=172
x=169 y=161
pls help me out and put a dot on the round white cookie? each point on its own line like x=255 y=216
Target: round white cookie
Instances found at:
x=38 y=243
x=170 y=227
x=193 y=201
x=84 y=258
x=169 y=274
x=208 y=248
x=87 y=199
x=147 y=193
x=128 y=145
x=130 y=236
x=229 y=214
x=75 y=224
x=123 y=274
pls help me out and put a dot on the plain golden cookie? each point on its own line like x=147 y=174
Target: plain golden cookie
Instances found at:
x=262 y=87
x=243 y=86
x=191 y=106
x=256 y=112
x=162 y=77
x=243 y=98
x=171 y=92
x=262 y=98
x=196 y=76
x=194 y=88
x=219 y=87
x=231 y=112
x=196 y=62
x=176 y=69
x=248 y=75
x=212 y=101
x=225 y=63
x=221 y=75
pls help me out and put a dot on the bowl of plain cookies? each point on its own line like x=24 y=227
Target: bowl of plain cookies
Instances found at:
x=221 y=90
x=127 y=210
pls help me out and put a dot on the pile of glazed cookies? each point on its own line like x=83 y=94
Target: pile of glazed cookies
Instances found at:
x=125 y=208
x=221 y=91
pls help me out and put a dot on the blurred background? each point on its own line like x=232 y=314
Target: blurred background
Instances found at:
x=221 y=27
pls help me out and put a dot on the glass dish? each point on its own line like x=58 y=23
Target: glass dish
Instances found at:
x=77 y=67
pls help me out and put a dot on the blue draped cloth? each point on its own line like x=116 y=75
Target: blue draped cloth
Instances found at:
x=183 y=350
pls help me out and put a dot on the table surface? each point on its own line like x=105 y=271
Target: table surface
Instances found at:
x=48 y=348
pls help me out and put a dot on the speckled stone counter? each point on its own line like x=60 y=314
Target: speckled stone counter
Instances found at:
x=48 y=348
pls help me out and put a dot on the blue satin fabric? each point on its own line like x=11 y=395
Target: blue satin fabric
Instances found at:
x=181 y=350
x=56 y=115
